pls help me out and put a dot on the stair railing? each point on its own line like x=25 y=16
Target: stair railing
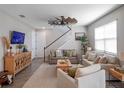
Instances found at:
x=54 y=42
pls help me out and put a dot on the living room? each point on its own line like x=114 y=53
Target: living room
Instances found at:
x=46 y=43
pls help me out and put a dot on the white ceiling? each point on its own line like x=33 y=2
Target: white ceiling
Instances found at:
x=37 y=15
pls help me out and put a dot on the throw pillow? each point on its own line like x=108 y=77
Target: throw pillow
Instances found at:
x=71 y=72
x=64 y=53
x=97 y=59
x=103 y=60
x=59 y=53
x=74 y=54
x=91 y=56
x=53 y=53
x=68 y=53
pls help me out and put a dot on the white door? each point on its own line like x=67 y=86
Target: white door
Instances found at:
x=33 y=44
x=40 y=43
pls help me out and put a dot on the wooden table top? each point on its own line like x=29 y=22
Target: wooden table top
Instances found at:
x=65 y=63
x=116 y=74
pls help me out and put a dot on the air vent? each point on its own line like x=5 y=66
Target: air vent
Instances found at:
x=22 y=16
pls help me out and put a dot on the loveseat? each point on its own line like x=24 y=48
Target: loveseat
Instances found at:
x=71 y=54
x=87 y=77
x=106 y=60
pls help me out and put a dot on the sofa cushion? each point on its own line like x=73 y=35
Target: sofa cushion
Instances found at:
x=91 y=56
x=87 y=70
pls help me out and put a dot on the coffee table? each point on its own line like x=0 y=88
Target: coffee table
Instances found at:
x=64 y=64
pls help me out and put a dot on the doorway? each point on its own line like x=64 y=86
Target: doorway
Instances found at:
x=40 y=43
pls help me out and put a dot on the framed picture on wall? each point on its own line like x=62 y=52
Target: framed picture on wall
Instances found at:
x=78 y=35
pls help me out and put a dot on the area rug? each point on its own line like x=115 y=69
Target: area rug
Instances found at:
x=44 y=77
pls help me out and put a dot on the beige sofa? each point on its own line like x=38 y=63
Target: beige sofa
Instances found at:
x=112 y=61
x=71 y=54
x=89 y=77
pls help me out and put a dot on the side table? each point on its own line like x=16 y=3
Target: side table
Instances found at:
x=116 y=74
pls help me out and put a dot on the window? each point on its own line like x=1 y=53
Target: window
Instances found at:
x=106 y=37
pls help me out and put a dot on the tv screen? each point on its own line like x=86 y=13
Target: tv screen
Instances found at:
x=17 y=37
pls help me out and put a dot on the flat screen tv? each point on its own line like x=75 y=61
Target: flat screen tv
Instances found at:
x=17 y=37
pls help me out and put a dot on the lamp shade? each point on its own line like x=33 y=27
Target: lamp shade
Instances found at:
x=121 y=56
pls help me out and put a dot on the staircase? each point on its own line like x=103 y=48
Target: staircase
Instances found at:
x=53 y=42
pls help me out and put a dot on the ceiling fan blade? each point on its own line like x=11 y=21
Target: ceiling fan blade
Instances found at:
x=68 y=20
x=58 y=19
x=74 y=20
x=63 y=18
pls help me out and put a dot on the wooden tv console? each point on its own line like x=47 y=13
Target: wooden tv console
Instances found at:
x=17 y=62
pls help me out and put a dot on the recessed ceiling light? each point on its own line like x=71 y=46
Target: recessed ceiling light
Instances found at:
x=22 y=16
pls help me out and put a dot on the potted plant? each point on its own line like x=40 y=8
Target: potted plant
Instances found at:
x=25 y=48
x=84 y=43
x=19 y=46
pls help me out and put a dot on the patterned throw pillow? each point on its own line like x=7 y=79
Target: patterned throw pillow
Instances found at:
x=103 y=60
x=97 y=59
x=72 y=71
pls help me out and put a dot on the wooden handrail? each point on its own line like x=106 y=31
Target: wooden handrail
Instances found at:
x=55 y=41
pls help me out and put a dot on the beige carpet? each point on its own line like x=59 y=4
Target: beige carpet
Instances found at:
x=44 y=77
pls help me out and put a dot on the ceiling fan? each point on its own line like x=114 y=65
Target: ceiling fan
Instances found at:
x=62 y=21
